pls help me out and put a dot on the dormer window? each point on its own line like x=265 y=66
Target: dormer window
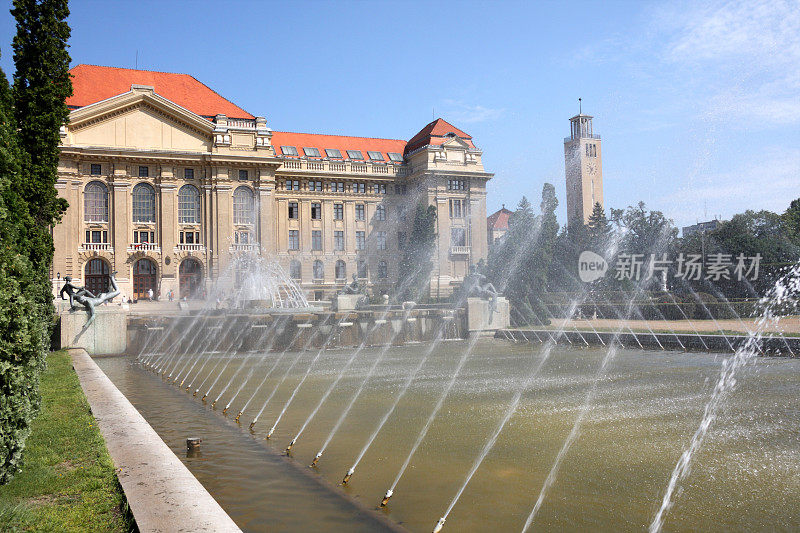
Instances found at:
x=355 y=154
x=450 y=134
x=289 y=150
x=393 y=156
x=375 y=156
x=333 y=153
x=311 y=152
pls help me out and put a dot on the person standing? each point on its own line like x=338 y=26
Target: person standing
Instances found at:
x=150 y=294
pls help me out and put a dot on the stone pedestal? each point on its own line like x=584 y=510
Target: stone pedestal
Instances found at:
x=107 y=335
x=347 y=302
x=478 y=311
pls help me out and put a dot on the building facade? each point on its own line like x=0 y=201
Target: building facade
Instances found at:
x=583 y=162
x=167 y=182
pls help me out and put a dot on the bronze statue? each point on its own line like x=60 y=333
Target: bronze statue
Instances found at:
x=84 y=297
x=476 y=286
x=353 y=287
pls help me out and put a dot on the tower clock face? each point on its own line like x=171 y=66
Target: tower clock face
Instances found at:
x=591 y=168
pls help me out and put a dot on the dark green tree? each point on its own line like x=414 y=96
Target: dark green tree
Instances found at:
x=416 y=263
x=30 y=119
x=598 y=229
x=22 y=330
x=791 y=222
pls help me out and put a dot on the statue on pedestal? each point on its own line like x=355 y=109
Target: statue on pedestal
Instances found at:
x=353 y=287
x=83 y=296
x=476 y=286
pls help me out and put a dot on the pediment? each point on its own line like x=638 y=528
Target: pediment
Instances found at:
x=455 y=142
x=139 y=119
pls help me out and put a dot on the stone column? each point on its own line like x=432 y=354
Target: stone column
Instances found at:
x=266 y=220
x=167 y=230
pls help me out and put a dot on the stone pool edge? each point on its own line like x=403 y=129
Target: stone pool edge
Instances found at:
x=162 y=493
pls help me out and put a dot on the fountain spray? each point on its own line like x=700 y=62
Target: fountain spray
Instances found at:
x=289 y=447
x=439 y=525
x=316 y=460
x=237 y=417
x=386 y=497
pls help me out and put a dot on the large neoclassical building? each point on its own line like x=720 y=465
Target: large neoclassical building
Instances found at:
x=167 y=181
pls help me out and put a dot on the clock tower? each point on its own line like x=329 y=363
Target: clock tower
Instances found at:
x=584 y=170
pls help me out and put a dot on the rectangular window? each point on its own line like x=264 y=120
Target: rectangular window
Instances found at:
x=375 y=156
x=315 y=186
x=397 y=158
x=337 y=186
x=333 y=153
x=380 y=212
x=190 y=237
x=380 y=240
x=241 y=237
x=311 y=152
x=293 y=210
x=338 y=241
x=96 y=236
x=456 y=185
x=399 y=189
x=95 y=169
x=361 y=240
x=360 y=188
x=338 y=211
x=458 y=237
x=360 y=212
x=316 y=211
x=289 y=150
x=401 y=240
x=355 y=154
x=316 y=240
x=456 y=210
x=294 y=239
x=144 y=172
x=144 y=237
x=378 y=188
x=188 y=173
x=293 y=185
x=243 y=175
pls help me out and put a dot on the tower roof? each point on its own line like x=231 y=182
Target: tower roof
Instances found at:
x=93 y=83
x=499 y=219
x=436 y=133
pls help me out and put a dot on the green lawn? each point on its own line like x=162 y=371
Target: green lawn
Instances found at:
x=67 y=482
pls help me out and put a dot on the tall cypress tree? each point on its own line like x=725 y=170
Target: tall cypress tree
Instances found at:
x=22 y=330
x=31 y=115
x=41 y=87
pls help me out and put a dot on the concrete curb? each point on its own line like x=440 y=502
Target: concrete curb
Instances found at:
x=162 y=494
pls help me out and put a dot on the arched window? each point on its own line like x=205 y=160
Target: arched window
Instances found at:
x=144 y=203
x=95 y=202
x=362 y=269
x=319 y=270
x=295 y=270
x=188 y=205
x=383 y=272
x=243 y=203
x=341 y=270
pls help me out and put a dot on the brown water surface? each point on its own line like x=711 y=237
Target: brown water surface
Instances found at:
x=648 y=404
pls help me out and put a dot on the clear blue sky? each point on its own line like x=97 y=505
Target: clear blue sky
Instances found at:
x=698 y=104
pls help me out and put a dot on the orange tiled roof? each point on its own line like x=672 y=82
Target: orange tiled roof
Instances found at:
x=338 y=142
x=436 y=133
x=92 y=83
x=499 y=220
